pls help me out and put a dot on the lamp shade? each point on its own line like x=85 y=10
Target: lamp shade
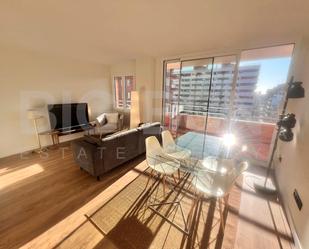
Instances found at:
x=287 y=120
x=135 y=110
x=286 y=134
x=295 y=90
x=34 y=114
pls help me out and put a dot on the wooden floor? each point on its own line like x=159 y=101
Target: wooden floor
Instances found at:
x=43 y=202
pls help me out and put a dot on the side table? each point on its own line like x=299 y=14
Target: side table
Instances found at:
x=54 y=135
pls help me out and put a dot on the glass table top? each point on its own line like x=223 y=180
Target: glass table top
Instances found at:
x=207 y=153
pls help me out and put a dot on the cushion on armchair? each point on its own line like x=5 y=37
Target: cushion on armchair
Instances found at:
x=109 y=127
x=112 y=117
x=101 y=120
x=107 y=123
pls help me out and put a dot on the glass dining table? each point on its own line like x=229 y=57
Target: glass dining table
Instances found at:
x=207 y=155
x=207 y=152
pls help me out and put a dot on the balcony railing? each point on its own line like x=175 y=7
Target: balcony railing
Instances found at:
x=256 y=136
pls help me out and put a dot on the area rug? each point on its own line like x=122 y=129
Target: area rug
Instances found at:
x=127 y=222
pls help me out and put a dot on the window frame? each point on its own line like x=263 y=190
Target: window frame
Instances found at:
x=123 y=80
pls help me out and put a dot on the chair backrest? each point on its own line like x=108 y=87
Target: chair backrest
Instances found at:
x=153 y=150
x=167 y=140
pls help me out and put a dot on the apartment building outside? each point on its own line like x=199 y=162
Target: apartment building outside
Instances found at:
x=192 y=96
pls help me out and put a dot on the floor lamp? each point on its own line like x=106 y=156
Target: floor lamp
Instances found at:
x=284 y=133
x=34 y=115
x=135 y=119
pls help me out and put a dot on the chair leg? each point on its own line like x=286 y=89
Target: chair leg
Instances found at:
x=221 y=214
x=150 y=177
x=194 y=203
x=178 y=174
x=174 y=179
x=226 y=200
x=163 y=179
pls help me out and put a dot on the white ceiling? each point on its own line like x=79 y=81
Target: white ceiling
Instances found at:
x=109 y=31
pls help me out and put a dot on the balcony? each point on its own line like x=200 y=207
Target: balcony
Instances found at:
x=256 y=136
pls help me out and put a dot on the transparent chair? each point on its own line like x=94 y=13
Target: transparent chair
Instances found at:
x=163 y=165
x=217 y=183
x=159 y=162
x=171 y=149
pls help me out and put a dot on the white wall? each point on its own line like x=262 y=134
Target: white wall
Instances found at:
x=30 y=80
x=293 y=172
x=123 y=68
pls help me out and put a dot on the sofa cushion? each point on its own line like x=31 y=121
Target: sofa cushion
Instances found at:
x=120 y=148
x=119 y=134
x=110 y=127
x=112 y=117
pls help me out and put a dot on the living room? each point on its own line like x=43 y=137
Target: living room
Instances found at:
x=154 y=124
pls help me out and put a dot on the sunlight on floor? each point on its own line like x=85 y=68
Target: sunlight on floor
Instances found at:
x=19 y=175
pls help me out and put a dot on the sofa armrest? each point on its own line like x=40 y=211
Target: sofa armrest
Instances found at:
x=88 y=156
x=120 y=122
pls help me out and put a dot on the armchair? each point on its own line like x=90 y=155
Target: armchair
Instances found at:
x=108 y=123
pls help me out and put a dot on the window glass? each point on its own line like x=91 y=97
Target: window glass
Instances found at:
x=213 y=97
x=123 y=86
x=118 y=92
x=129 y=87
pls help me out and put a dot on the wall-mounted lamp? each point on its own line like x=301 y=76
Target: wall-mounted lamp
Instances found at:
x=295 y=90
x=284 y=131
x=285 y=125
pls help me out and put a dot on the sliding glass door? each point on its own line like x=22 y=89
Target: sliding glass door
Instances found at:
x=170 y=95
x=193 y=104
x=259 y=94
x=224 y=97
x=198 y=94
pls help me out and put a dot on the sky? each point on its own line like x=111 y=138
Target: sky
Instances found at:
x=272 y=72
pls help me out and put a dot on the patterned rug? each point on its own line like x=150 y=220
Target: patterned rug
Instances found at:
x=127 y=221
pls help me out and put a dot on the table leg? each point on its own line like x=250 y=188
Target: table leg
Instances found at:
x=57 y=139
x=53 y=139
x=221 y=214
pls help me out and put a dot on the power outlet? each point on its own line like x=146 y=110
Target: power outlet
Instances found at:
x=298 y=201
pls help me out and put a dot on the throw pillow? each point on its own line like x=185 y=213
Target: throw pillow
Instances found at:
x=101 y=120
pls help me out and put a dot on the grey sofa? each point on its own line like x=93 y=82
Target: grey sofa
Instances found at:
x=97 y=156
